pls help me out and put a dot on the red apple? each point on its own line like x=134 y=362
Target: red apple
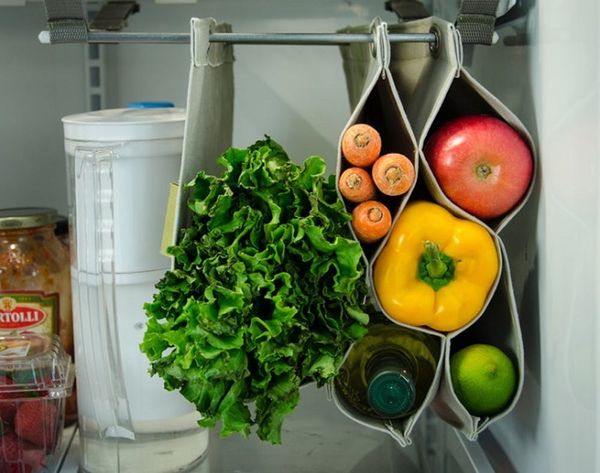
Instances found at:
x=481 y=163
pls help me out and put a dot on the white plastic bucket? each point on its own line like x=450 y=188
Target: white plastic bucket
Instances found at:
x=120 y=164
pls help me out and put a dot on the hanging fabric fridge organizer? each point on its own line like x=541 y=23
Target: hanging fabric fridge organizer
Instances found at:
x=209 y=116
x=430 y=86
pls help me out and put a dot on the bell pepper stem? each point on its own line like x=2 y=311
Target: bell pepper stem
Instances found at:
x=435 y=266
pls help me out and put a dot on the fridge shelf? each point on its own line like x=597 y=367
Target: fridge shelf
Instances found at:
x=311 y=445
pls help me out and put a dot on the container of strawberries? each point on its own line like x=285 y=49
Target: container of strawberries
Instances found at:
x=36 y=377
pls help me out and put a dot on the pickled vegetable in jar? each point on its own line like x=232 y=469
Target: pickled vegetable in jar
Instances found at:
x=35 y=286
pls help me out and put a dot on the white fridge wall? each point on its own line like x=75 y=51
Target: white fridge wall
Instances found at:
x=551 y=81
x=38 y=85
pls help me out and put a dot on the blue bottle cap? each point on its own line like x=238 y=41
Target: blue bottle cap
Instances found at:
x=391 y=394
x=150 y=105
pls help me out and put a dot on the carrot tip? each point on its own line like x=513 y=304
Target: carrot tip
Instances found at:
x=393 y=174
x=361 y=140
x=371 y=221
x=353 y=181
x=375 y=215
x=356 y=185
x=361 y=144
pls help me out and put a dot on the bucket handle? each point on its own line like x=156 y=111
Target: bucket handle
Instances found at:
x=98 y=353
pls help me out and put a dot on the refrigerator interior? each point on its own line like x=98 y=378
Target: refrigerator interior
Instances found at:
x=319 y=438
x=545 y=67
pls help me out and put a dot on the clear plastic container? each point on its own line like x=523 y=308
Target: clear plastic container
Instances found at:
x=36 y=377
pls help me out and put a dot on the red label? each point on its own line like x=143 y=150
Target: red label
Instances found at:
x=21 y=317
x=27 y=310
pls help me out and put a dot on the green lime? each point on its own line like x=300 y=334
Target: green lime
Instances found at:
x=484 y=379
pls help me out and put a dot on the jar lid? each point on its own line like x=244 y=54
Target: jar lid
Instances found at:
x=26 y=217
x=391 y=394
x=150 y=105
x=125 y=124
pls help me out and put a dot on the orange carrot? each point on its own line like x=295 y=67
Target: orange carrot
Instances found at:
x=393 y=174
x=361 y=145
x=371 y=220
x=356 y=185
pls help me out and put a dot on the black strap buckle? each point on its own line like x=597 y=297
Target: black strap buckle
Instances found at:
x=476 y=21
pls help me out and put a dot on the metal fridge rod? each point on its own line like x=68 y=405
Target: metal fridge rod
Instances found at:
x=246 y=38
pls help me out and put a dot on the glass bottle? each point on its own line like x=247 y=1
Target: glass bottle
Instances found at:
x=389 y=372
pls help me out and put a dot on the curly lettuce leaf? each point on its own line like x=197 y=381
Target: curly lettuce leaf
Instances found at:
x=268 y=291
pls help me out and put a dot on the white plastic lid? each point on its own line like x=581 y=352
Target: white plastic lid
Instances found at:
x=125 y=124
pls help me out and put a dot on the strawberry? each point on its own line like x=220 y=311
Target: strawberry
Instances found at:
x=33 y=457
x=5 y=380
x=8 y=408
x=11 y=451
x=16 y=452
x=18 y=468
x=36 y=421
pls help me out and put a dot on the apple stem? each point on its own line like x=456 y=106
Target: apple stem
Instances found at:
x=483 y=170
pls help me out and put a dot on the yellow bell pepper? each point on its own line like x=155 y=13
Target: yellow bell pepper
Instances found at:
x=435 y=269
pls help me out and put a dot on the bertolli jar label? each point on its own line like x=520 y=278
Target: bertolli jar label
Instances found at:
x=32 y=311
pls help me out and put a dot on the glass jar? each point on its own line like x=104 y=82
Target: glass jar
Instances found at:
x=35 y=285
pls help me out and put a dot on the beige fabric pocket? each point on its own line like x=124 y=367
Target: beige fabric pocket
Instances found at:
x=209 y=114
x=379 y=105
x=498 y=326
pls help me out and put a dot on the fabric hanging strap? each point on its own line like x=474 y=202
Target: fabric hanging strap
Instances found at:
x=113 y=15
x=407 y=10
x=476 y=20
x=67 y=21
